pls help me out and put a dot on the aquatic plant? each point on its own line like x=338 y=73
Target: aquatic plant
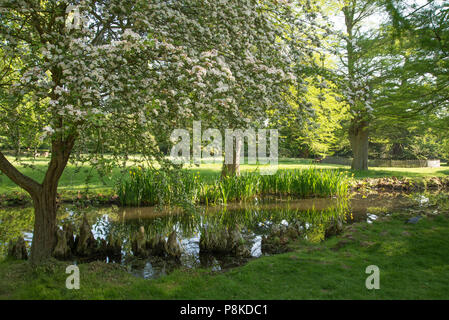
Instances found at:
x=151 y=187
x=148 y=187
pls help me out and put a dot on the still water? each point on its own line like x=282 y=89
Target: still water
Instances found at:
x=262 y=226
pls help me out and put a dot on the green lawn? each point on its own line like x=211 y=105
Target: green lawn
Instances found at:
x=77 y=178
x=412 y=260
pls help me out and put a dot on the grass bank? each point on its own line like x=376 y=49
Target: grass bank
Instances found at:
x=89 y=183
x=412 y=259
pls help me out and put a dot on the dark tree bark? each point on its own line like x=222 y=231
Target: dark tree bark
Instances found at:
x=397 y=151
x=358 y=136
x=233 y=169
x=44 y=234
x=44 y=196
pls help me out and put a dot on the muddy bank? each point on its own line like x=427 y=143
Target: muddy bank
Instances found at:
x=400 y=185
x=21 y=199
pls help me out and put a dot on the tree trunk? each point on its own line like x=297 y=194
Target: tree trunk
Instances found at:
x=358 y=135
x=44 y=196
x=44 y=235
x=306 y=153
x=233 y=169
x=397 y=150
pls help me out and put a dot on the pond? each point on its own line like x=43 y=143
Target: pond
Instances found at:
x=151 y=242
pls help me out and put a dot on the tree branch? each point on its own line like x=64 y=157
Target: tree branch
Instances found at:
x=31 y=186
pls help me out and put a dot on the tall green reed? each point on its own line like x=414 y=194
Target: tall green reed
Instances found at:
x=152 y=187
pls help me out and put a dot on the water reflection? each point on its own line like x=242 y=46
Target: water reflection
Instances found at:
x=14 y=223
x=219 y=237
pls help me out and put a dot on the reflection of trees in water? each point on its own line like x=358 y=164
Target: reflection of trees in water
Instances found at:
x=249 y=220
x=316 y=218
x=109 y=222
x=13 y=223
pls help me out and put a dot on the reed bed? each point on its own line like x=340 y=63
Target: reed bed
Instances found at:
x=147 y=187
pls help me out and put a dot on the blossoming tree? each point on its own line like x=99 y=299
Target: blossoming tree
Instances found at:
x=96 y=76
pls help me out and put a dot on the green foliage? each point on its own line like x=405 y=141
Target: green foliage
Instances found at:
x=310 y=182
x=415 y=139
x=315 y=133
x=150 y=187
x=413 y=91
x=429 y=146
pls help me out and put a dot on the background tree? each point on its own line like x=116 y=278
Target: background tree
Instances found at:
x=421 y=33
x=357 y=72
x=313 y=134
x=412 y=91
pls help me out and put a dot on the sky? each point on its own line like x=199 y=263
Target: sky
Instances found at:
x=376 y=19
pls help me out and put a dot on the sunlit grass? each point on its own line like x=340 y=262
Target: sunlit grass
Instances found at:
x=78 y=178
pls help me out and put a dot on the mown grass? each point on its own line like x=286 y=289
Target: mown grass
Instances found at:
x=147 y=187
x=87 y=180
x=412 y=261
